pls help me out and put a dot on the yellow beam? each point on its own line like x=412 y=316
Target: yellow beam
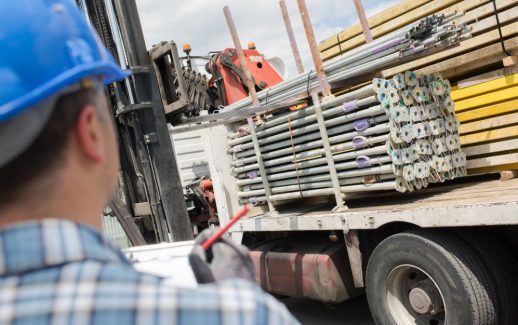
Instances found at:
x=485 y=87
x=488 y=111
x=487 y=99
x=491 y=123
x=491 y=135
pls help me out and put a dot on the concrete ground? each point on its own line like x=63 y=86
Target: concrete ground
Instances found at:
x=309 y=312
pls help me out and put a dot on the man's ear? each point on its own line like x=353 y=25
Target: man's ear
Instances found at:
x=89 y=135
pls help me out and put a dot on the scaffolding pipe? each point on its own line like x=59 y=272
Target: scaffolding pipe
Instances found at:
x=352 y=56
x=382 y=128
x=311 y=186
x=308 y=129
x=385 y=186
x=344 y=167
x=337 y=110
x=361 y=142
x=318 y=178
x=314 y=162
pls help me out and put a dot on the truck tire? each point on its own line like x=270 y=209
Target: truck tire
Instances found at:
x=502 y=268
x=428 y=277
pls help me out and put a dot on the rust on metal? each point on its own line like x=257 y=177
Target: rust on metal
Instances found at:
x=291 y=36
x=352 y=242
x=363 y=20
x=316 y=270
x=310 y=35
x=241 y=55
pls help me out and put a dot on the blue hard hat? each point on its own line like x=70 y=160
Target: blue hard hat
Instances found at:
x=46 y=46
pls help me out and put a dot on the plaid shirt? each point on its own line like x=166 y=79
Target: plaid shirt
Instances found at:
x=59 y=272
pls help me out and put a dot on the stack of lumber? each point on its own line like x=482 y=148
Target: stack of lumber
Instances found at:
x=488 y=113
x=485 y=92
x=484 y=50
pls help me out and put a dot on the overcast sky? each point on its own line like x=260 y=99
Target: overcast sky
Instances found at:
x=202 y=23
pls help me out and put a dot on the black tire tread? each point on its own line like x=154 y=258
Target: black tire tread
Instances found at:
x=478 y=280
x=502 y=268
x=470 y=269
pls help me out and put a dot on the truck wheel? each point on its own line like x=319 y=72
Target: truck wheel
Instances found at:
x=428 y=277
x=502 y=268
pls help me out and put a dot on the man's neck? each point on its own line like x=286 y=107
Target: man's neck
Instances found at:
x=13 y=214
x=67 y=202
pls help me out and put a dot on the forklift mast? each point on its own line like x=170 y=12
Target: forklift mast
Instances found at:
x=150 y=191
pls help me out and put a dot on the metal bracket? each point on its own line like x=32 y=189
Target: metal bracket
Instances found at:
x=327 y=149
x=133 y=107
x=150 y=138
x=352 y=243
x=259 y=158
x=141 y=69
x=340 y=208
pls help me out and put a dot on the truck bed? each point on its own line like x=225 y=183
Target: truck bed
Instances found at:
x=470 y=201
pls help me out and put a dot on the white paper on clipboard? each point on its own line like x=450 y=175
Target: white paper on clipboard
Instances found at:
x=168 y=260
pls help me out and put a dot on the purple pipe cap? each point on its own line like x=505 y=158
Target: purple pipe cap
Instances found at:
x=243 y=132
x=253 y=174
x=351 y=106
x=361 y=125
x=363 y=161
x=360 y=142
x=387 y=45
x=254 y=201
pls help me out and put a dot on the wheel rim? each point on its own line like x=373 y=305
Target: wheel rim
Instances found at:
x=413 y=297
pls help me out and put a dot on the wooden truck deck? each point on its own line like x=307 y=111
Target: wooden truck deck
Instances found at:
x=471 y=201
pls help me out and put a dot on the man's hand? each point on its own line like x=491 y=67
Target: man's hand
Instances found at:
x=222 y=261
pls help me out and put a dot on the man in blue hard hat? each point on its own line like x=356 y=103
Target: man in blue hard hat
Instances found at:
x=58 y=169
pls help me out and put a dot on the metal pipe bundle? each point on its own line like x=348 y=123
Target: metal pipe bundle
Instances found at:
x=358 y=131
x=424 y=137
x=379 y=137
x=419 y=39
x=405 y=141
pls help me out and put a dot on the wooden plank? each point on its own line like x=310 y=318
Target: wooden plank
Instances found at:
x=404 y=20
x=510 y=61
x=488 y=111
x=486 y=99
x=507 y=175
x=491 y=123
x=471 y=44
x=490 y=148
x=487 y=77
x=492 y=161
x=492 y=169
x=492 y=135
x=486 y=87
x=374 y=21
x=468 y=62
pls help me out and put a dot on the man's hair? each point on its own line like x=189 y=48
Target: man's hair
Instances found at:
x=45 y=155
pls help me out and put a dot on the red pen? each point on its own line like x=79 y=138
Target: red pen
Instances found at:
x=206 y=244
